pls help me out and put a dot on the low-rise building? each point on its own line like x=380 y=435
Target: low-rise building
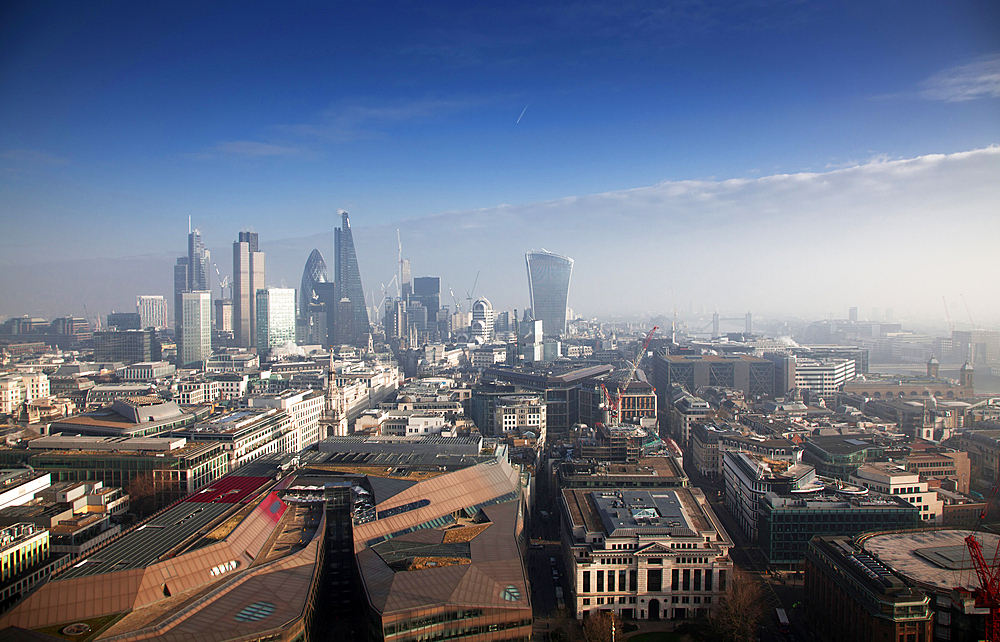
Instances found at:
x=891 y=479
x=147 y=371
x=247 y=434
x=787 y=523
x=748 y=477
x=644 y=555
x=305 y=407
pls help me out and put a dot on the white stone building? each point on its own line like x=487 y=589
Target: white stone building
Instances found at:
x=649 y=555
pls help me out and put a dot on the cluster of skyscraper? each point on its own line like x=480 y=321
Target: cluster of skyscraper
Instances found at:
x=333 y=311
x=261 y=317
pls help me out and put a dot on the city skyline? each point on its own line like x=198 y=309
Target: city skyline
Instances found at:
x=636 y=139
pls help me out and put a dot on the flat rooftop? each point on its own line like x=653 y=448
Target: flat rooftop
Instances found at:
x=938 y=559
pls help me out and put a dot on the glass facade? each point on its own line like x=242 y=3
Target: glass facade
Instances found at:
x=275 y=318
x=314 y=272
x=548 y=285
x=351 y=320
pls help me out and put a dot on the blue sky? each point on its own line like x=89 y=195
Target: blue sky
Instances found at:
x=121 y=119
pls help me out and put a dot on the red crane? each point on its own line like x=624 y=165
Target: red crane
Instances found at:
x=988 y=593
x=615 y=405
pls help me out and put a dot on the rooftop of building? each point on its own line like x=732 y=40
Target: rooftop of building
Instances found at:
x=712 y=358
x=865 y=569
x=841 y=444
x=661 y=467
x=418 y=555
x=836 y=499
x=95 y=443
x=674 y=512
x=933 y=559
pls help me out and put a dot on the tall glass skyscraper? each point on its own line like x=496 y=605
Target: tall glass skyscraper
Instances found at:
x=352 y=313
x=248 y=277
x=275 y=318
x=196 y=328
x=548 y=285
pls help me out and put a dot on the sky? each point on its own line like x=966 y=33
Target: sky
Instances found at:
x=784 y=157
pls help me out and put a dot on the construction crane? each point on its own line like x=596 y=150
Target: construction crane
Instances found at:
x=468 y=295
x=223 y=282
x=616 y=403
x=458 y=302
x=951 y=326
x=988 y=592
x=971 y=322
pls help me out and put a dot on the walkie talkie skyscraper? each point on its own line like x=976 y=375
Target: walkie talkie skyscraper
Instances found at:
x=548 y=285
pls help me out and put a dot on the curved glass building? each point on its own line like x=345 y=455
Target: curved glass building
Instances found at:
x=548 y=286
x=315 y=272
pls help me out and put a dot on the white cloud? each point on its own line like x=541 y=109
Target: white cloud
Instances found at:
x=253 y=149
x=32 y=156
x=978 y=79
x=886 y=233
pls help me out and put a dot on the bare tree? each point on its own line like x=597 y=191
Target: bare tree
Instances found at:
x=142 y=495
x=597 y=626
x=741 y=611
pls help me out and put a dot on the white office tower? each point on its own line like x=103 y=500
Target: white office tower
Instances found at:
x=196 y=328
x=152 y=311
x=482 y=321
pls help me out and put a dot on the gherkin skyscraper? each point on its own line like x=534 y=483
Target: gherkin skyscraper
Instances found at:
x=315 y=272
x=351 y=312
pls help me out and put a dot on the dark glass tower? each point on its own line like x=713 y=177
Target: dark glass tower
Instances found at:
x=314 y=272
x=548 y=285
x=351 y=312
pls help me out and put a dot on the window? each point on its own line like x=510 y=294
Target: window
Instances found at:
x=633 y=580
x=708 y=579
x=654 y=581
x=686 y=583
x=722 y=580
x=600 y=583
x=697 y=579
x=611 y=581
x=674 y=579
x=586 y=581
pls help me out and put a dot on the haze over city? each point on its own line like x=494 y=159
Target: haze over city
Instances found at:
x=779 y=157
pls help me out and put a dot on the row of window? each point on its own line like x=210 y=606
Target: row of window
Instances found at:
x=680 y=580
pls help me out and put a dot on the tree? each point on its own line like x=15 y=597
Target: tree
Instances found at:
x=736 y=619
x=597 y=626
x=142 y=495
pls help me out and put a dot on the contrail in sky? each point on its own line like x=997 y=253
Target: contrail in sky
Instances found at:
x=522 y=114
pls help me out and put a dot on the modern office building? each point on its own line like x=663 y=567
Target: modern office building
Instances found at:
x=548 y=287
x=241 y=560
x=275 y=318
x=152 y=309
x=787 y=522
x=126 y=346
x=196 y=326
x=124 y=320
x=823 y=377
x=190 y=275
x=351 y=320
x=440 y=558
x=305 y=407
x=427 y=292
x=937 y=563
x=851 y=595
x=482 y=320
x=751 y=375
x=199 y=260
x=248 y=277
